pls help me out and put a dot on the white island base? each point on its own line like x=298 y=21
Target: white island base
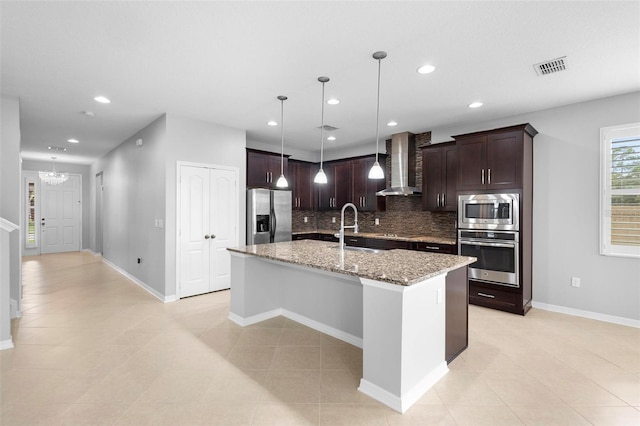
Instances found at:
x=401 y=329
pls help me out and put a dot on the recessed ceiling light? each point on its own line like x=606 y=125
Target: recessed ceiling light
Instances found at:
x=102 y=100
x=392 y=123
x=333 y=101
x=73 y=141
x=56 y=148
x=331 y=138
x=475 y=104
x=426 y=69
x=272 y=123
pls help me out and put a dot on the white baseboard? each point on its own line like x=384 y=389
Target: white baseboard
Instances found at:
x=587 y=314
x=163 y=299
x=14 y=312
x=322 y=328
x=6 y=344
x=404 y=402
x=92 y=252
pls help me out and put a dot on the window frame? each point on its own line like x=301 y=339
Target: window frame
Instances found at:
x=607 y=134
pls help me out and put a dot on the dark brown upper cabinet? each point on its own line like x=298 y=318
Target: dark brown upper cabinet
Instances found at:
x=263 y=169
x=301 y=183
x=364 y=189
x=439 y=177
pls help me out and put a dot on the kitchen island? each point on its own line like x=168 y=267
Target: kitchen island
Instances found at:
x=389 y=303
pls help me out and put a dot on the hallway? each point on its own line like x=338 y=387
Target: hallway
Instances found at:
x=94 y=348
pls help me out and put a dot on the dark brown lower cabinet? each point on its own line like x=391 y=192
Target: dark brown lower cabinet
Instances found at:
x=498 y=297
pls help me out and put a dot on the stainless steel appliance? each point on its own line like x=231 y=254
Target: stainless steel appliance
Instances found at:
x=489 y=211
x=268 y=216
x=488 y=229
x=497 y=253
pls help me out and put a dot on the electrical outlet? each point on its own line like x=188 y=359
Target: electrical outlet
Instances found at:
x=139 y=260
x=575 y=282
x=377 y=221
x=306 y=219
x=333 y=220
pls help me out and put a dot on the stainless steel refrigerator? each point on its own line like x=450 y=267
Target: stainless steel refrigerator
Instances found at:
x=268 y=216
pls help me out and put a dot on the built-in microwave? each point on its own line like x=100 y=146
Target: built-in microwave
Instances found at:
x=489 y=211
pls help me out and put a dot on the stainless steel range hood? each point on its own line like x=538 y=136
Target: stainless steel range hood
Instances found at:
x=403 y=166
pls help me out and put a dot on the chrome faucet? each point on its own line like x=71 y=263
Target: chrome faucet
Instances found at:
x=342 y=225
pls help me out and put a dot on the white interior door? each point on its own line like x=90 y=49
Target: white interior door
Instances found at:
x=208 y=225
x=60 y=216
x=224 y=230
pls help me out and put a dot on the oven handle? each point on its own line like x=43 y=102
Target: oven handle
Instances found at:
x=477 y=243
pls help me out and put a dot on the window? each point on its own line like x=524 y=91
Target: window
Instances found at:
x=30 y=229
x=620 y=190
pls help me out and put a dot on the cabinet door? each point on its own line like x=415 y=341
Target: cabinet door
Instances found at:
x=326 y=191
x=504 y=160
x=471 y=163
x=364 y=189
x=302 y=185
x=431 y=179
x=257 y=170
x=450 y=178
x=342 y=183
x=274 y=169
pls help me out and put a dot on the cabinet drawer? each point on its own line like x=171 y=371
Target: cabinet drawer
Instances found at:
x=327 y=237
x=436 y=248
x=484 y=296
x=309 y=236
x=355 y=241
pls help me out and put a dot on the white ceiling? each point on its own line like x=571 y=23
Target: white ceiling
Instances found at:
x=226 y=62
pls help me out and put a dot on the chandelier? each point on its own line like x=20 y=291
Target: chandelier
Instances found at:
x=53 y=177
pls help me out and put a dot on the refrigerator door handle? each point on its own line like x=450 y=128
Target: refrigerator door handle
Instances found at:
x=272 y=231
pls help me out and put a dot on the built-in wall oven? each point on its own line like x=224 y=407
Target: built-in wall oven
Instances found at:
x=488 y=229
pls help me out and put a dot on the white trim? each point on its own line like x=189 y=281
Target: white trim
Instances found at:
x=6 y=344
x=411 y=397
x=164 y=299
x=8 y=226
x=322 y=328
x=14 y=311
x=587 y=314
x=86 y=250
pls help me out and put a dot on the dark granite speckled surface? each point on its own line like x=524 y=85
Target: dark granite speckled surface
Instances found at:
x=401 y=267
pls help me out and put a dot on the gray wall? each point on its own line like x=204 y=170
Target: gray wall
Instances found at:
x=80 y=169
x=566 y=206
x=10 y=184
x=199 y=142
x=133 y=197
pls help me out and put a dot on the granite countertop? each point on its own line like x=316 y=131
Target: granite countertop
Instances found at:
x=400 y=267
x=382 y=236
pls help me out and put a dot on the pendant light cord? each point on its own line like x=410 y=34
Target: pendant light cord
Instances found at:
x=282 y=137
x=378 y=114
x=322 y=128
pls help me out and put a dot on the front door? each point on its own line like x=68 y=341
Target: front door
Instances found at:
x=60 y=216
x=208 y=225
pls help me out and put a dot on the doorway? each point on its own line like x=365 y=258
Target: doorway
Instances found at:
x=60 y=223
x=208 y=224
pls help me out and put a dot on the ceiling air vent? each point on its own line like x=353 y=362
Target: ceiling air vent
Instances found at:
x=328 y=128
x=551 y=66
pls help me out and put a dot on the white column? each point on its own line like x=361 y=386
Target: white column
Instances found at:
x=403 y=340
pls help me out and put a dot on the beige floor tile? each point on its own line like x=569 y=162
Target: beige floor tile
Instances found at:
x=611 y=416
x=353 y=415
x=577 y=390
x=293 y=386
x=299 y=337
x=260 y=337
x=624 y=385
x=484 y=416
x=518 y=388
x=286 y=415
x=418 y=415
x=430 y=398
x=19 y=414
x=65 y=386
x=296 y=358
x=235 y=386
x=93 y=414
x=342 y=357
x=341 y=386
x=460 y=387
x=177 y=387
x=220 y=340
x=120 y=386
x=550 y=416
x=252 y=357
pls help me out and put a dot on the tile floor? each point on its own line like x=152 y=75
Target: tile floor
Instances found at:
x=94 y=348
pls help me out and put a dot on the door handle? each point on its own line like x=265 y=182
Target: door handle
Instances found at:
x=443 y=203
x=489 y=173
x=206 y=237
x=212 y=236
x=483 y=176
x=438 y=200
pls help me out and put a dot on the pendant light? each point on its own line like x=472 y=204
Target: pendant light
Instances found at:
x=282 y=181
x=320 y=176
x=376 y=171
